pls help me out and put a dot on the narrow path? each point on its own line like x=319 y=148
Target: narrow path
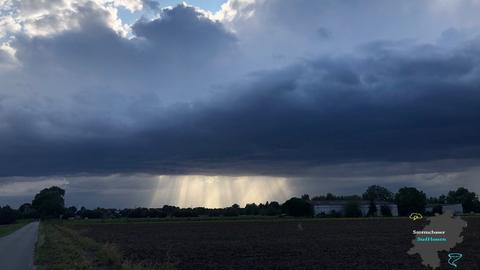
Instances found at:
x=17 y=248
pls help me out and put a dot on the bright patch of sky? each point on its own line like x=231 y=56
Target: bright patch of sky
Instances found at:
x=129 y=17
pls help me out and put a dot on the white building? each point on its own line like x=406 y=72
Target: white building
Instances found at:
x=454 y=208
x=338 y=207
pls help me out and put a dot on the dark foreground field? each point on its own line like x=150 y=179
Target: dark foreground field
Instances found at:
x=277 y=244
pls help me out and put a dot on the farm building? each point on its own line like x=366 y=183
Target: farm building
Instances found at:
x=455 y=208
x=338 y=207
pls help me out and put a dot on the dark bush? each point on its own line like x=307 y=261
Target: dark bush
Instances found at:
x=385 y=211
x=185 y=212
x=298 y=208
x=232 y=211
x=7 y=215
x=70 y=212
x=26 y=211
x=271 y=209
x=437 y=209
x=334 y=214
x=352 y=209
x=252 y=209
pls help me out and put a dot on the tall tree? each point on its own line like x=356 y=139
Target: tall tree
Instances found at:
x=377 y=193
x=49 y=202
x=306 y=197
x=469 y=200
x=410 y=200
x=372 y=209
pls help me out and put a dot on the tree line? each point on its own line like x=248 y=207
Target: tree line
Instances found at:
x=50 y=203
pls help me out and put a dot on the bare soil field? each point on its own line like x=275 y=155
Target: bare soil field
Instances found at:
x=279 y=244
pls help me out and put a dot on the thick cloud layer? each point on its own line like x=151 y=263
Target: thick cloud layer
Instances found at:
x=279 y=88
x=420 y=104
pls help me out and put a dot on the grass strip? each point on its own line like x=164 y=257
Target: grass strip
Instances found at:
x=10 y=228
x=61 y=248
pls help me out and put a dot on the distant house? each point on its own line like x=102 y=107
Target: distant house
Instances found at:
x=454 y=208
x=338 y=207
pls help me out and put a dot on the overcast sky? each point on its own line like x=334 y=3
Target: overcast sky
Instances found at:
x=206 y=103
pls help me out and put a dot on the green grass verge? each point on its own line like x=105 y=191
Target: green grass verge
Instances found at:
x=9 y=228
x=61 y=248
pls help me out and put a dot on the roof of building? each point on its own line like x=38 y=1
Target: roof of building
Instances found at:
x=443 y=204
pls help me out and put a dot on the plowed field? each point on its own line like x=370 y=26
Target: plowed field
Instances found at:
x=279 y=244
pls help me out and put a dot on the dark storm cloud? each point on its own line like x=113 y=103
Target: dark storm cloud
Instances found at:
x=387 y=105
x=183 y=26
x=326 y=96
x=182 y=36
